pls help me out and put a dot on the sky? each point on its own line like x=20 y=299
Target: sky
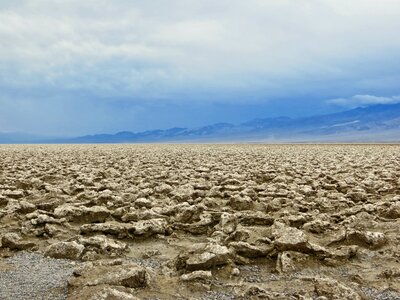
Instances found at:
x=73 y=67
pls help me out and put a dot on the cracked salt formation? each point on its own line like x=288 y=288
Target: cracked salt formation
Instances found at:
x=205 y=221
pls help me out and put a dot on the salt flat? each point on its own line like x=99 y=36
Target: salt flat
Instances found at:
x=205 y=221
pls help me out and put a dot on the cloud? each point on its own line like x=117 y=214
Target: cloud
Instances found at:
x=129 y=47
x=364 y=100
x=186 y=51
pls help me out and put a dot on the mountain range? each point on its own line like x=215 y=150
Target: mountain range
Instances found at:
x=376 y=123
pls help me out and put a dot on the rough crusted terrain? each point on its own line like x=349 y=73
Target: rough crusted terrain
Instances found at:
x=202 y=221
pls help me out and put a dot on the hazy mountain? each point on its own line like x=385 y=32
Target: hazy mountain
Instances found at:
x=378 y=122
x=374 y=123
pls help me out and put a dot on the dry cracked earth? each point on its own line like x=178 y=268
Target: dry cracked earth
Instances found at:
x=200 y=222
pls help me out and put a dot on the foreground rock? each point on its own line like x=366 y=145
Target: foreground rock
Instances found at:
x=13 y=241
x=129 y=275
x=94 y=214
x=105 y=293
x=290 y=238
x=251 y=251
x=368 y=239
x=332 y=289
x=68 y=250
x=203 y=257
x=197 y=275
x=103 y=244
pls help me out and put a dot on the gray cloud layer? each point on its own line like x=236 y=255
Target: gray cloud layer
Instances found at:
x=187 y=50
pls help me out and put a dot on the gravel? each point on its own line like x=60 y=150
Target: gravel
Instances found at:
x=148 y=263
x=218 y=295
x=32 y=276
x=381 y=295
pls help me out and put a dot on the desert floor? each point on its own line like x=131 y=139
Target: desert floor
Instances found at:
x=200 y=222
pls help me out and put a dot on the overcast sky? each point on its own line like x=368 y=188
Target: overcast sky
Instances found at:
x=74 y=67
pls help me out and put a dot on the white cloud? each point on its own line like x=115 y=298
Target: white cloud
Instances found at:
x=364 y=100
x=131 y=47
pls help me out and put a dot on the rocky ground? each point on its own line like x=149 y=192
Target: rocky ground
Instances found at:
x=200 y=222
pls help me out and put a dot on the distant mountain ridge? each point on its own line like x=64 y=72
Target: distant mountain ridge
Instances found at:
x=367 y=124
x=376 y=120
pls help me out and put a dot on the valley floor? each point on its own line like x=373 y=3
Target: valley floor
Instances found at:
x=200 y=221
